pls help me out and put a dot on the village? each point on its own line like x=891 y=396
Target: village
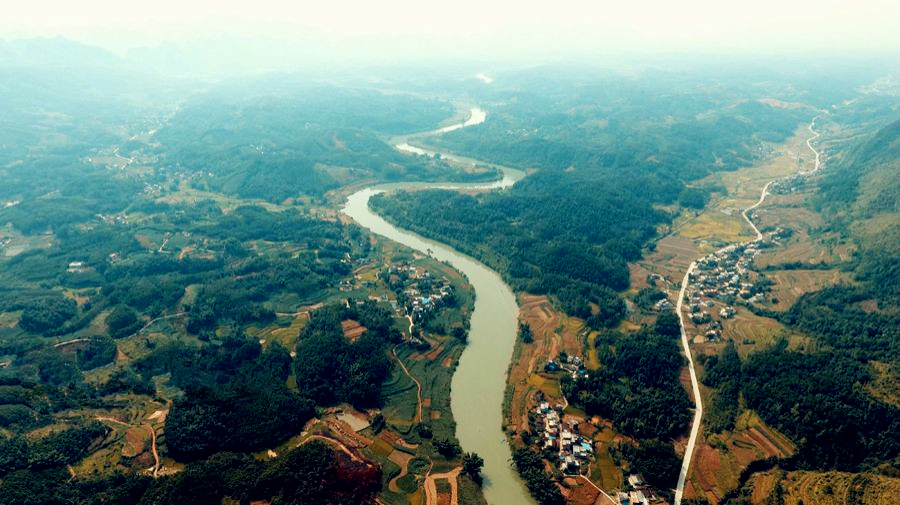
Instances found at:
x=721 y=280
x=569 y=439
x=561 y=435
x=413 y=293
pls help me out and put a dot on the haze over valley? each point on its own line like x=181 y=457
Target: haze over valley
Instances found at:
x=491 y=253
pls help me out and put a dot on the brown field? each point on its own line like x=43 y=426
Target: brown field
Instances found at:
x=672 y=257
x=719 y=459
x=285 y=336
x=638 y=273
x=826 y=488
x=553 y=332
x=716 y=227
x=136 y=441
x=352 y=329
x=402 y=460
x=789 y=211
x=578 y=491
x=792 y=284
x=751 y=332
x=804 y=249
x=145 y=241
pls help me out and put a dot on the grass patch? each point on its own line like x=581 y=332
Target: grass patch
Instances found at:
x=548 y=384
x=443 y=486
x=469 y=492
x=408 y=483
x=605 y=473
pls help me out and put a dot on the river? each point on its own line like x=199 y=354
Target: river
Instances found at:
x=479 y=382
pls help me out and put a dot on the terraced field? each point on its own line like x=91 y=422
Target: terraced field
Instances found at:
x=825 y=488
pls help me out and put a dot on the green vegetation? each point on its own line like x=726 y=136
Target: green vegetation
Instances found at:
x=821 y=399
x=637 y=385
x=331 y=369
x=610 y=154
x=472 y=464
x=530 y=466
x=311 y=473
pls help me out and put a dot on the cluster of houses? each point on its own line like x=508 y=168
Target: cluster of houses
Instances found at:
x=561 y=434
x=120 y=218
x=788 y=185
x=574 y=365
x=639 y=493
x=724 y=276
x=153 y=190
x=76 y=267
x=423 y=292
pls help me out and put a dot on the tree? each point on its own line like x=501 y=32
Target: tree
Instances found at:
x=472 y=464
x=668 y=324
x=525 y=332
x=447 y=448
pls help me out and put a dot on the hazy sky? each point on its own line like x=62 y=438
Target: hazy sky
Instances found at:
x=476 y=25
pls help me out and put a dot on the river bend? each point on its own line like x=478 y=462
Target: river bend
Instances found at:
x=479 y=382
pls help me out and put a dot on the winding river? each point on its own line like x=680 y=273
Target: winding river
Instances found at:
x=480 y=380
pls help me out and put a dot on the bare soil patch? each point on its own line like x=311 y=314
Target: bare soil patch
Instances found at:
x=352 y=329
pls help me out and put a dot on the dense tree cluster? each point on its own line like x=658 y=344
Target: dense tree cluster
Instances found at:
x=818 y=400
x=44 y=314
x=330 y=368
x=58 y=448
x=637 y=385
x=656 y=461
x=247 y=414
x=100 y=350
x=530 y=466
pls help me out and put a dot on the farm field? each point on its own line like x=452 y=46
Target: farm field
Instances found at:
x=720 y=458
x=824 y=488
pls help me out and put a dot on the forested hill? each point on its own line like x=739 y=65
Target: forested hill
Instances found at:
x=865 y=183
x=277 y=137
x=860 y=198
x=616 y=158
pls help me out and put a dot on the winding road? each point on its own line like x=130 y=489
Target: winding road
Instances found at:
x=695 y=385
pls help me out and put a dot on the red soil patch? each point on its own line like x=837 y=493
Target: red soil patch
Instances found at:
x=389 y=436
x=580 y=493
x=434 y=352
x=764 y=443
x=135 y=442
x=352 y=329
x=145 y=241
x=708 y=462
